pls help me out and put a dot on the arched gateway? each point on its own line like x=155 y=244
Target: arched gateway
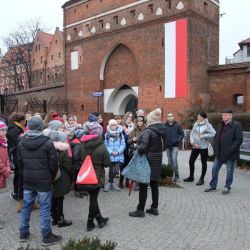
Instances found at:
x=119 y=72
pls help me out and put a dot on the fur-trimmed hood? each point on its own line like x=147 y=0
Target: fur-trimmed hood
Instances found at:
x=61 y=146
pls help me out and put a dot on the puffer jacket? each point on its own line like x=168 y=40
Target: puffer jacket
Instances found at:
x=4 y=166
x=62 y=186
x=202 y=128
x=94 y=146
x=116 y=144
x=152 y=143
x=37 y=163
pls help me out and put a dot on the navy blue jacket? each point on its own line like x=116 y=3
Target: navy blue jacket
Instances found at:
x=174 y=134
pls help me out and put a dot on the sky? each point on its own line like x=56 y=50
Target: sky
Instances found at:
x=234 y=25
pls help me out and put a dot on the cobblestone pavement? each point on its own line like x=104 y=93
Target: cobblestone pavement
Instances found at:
x=189 y=218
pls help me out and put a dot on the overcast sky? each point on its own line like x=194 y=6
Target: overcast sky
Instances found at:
x=234 y=25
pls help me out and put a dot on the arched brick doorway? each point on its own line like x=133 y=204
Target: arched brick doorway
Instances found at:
x=120 y=80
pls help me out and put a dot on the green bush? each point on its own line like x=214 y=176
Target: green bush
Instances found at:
x=84 y=244
x=166 y=171
x=89 y=244
x=242 y=118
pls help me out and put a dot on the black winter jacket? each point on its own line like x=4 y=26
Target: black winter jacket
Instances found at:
x=152 y=142
x=231 y=141
x=174 y=134
x=37 y=162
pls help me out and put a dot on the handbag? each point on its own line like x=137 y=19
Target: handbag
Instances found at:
x=138 y=169
x=210 y=149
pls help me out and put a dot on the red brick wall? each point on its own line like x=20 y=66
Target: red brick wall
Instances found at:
x=145 y=40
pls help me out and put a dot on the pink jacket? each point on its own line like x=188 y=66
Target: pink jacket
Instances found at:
x=4 y=166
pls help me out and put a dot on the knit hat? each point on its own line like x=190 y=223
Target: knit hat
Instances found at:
x=227 y=111
x=92 y=118
x=154 y=117
x=79 y=133
x=3 y=125
x=112 y=122
x=203 y=114
x=55 y=135
x=54 y=124
x=93 y=128
x=35 y=123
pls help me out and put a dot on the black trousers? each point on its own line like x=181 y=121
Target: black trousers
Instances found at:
x=57 y=208
x=194 y=154
x=94 y=209
x=16 y=174
x=143 y=195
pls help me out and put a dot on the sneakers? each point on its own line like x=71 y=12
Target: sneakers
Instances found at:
x=189 y=179
x=153 y=211
x=210 y=189
x=200 y=182
x=14 y=196
x=63 y=223
x=51 y=239
x=111 y=186
x=115 y=187
x=226 y=191
x=24 y=237
x=137 y=213
x=107 y=187
x=176 y=180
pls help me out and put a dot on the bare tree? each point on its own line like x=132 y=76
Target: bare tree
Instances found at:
x=19 y=44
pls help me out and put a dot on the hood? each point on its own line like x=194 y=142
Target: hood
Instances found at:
x=158 y=128
x=61 y=146
x=35 y=143
x=204 y=122
x=93 y=143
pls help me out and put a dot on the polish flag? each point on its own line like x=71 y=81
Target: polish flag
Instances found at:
x=176 y=59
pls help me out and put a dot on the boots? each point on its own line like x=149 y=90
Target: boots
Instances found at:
x=63 y=223
x=101 y=221
x=90 y=224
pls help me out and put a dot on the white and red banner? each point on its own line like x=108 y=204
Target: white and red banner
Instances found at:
x=176 y=59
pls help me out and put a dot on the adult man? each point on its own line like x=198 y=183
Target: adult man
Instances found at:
x=174 y=135
x=38 y=164
x=227 y=143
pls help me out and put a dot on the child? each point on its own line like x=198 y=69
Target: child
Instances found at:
x=115 y=143
x=4 y=159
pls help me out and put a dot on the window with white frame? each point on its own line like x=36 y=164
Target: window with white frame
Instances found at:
x=74 y=60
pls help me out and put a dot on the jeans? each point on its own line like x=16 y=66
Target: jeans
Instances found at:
x=143 y=195
x=94 y=209
x=215 y=172
x=172 y=154
x=44 y=199
x=194 y=154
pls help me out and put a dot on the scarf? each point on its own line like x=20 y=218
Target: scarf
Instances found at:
x=3 y=141
x=114 y=134
x=70 y=129
x=33 y=133
x=19 y=125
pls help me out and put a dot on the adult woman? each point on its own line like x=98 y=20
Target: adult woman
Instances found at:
x=127 y=122
x=152 y=143
x=94 y=145
x=15 y=129
x=201 y=133
x=133 y=139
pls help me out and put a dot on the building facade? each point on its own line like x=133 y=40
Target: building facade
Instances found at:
x=119 y=49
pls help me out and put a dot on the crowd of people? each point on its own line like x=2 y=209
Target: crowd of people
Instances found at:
x=46 y=154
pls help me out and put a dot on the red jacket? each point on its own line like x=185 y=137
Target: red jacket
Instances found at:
x=4 y=166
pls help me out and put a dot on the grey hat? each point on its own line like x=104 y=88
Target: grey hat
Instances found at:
x=93 y=128
x=55 y=135
x=54 y=124
x=227 y=111
x=35 y=123
x=79 y=133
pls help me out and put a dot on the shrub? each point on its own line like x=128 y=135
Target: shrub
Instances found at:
x=242 y=118
x=89 y=244
x=166 y=171
x=84 y=244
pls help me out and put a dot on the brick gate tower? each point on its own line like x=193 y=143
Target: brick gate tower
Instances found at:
x=139 y=54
